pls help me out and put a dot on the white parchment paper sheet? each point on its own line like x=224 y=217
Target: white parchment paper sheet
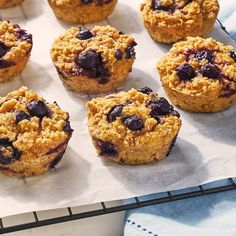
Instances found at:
x=205 y=150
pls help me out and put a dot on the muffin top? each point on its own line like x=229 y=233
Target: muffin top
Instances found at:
x=175 y=12
x=200 y=67
x=132 y=118
x=28 y=124
x=92 y=52
x=15 y=44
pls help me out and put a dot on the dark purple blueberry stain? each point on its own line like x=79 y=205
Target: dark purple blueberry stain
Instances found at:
x=210 y=71
x=56 y=160
x=114 y=113
x=84 y=35
x=61 y=75
x=22 y=34
x=3 y=49
x=145 y=90
x=233 y=56
x=38 y=108
x=130 y=51
x=172 y=145
x=67 y=127
x=133 y=123
x=92 y=65
x=175 y=113
x=21 y=115
x=107 y=148
x=204 y=54
x=156 y=6
x=118 y=54
x=228 y=86
x=97 y=2
x=8 y=153
x=185 y=72
x=160 y=107
x=121 y=33
x=4 y=64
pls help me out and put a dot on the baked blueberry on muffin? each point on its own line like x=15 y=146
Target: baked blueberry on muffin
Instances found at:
x=15 y=48
x=9 y=3
x=134 y=127
x=199 y=75
x=33 y=134
x=95 y=60
x=169 y=21
x=82 y=11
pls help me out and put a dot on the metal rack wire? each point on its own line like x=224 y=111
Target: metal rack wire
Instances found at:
x=104 y=209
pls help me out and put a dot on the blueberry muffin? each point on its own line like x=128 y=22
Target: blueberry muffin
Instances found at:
x=199 y=75
x=82 y=11
x=15 y=48
x=95 y=60
x=33 y=134
x=134 y=127
x=9 y=3
x=169 y=21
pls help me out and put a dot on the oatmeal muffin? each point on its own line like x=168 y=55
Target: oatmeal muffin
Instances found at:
x=199 y=75
x=15 y=48
x=33 y=134
x=82 y=11
x=95 y=60
x=134 y=127
x=169 y=21
x=9 y=3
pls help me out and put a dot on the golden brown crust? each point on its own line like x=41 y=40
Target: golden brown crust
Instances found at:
x=37 y=141
x=9 y=3
x=195 y=19
x=106 y=41
x=201 y=94
x=152 y=143
x=19 y=45
x=75 y=12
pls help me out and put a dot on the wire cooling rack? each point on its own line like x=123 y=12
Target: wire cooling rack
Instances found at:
x=35 y=220
x=103 y=208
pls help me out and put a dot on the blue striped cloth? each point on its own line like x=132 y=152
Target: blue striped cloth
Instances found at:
x=212 y=215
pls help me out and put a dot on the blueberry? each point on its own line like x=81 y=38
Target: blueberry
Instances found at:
x=115 y=112
x=5 y=64
x=118 y=54
x=204 y=54
x=85 y=34
x=107 y=148
x=156 y=5
x=145 y=90
x=133 y=123
x=130 y=51
x=3 y=49
x=86 y=1
x=93 y=66
x=22 y=35
x=210 y=71
x=8 y=153
x=88 y=60
x=233 y=56
x=185 y=72
x=21 y=115
x=160 y=107
x=38 y=108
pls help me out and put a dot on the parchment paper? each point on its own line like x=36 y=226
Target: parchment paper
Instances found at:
x=205 y=150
